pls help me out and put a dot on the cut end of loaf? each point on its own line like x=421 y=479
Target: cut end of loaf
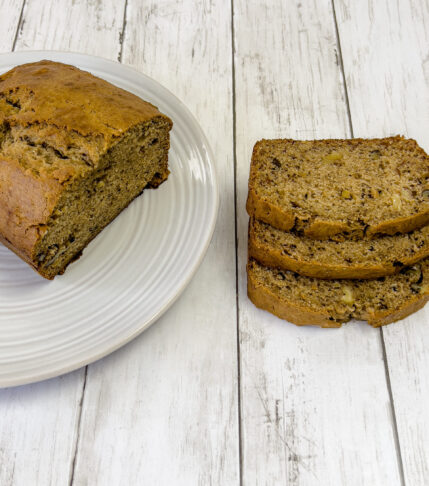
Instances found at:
x=137 y=161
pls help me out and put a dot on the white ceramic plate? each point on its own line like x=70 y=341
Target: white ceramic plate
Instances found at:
x=131 y=273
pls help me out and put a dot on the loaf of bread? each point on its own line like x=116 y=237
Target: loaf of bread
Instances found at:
x=75 y=151
x=351 y=188
x=329 y=303
x=330 y=259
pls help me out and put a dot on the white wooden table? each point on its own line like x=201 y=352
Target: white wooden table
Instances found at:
x=218 y=392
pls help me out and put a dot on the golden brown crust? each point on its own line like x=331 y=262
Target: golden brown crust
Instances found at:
x=320 y=229
x=317 y=227
x=264 y=210
x=26 y=203
x=17 y=252
x=52 y=93
x=264 y=299
x=399 y=225
x=274 y=257
x=23 y=252
x=379 y=319
x=269 y=213
x=66 y=108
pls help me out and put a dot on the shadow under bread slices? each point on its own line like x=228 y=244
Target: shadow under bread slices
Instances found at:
x=329 y=303
x=355 y=188
x=328 y=259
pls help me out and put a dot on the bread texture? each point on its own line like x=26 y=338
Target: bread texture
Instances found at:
x=330 y=259
x=329 y=303
x=348 y=189
x=74 y=152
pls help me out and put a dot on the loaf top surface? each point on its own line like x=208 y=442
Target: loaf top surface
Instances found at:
x=325 y=187
x=67 y=109
x=51 y=92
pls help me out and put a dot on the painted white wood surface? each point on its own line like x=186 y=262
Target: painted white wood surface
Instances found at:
x=10 y=12
x=39 y=424
x=315 y=406
x=386 y=61
x=38 y=431
x=164 y=410
x=92 y=27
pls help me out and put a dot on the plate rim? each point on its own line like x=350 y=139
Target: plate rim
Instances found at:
x=28 y=379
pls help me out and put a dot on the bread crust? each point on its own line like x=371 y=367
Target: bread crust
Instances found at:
x=18 y=252
x=274 y=257
x=26 y=203
x=290 y=311
x=399 y=225
x=269 y=213
x=66 y=107
x=320 y=229
x=265 y=299
x=317 y=227
x=63 y=96
x=378 y=319
x=25 y=252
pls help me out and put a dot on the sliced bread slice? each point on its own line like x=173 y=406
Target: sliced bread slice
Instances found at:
x=353 y=259
x=353 y=187
x=329 y=303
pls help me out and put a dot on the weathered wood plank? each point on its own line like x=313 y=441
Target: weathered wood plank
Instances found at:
x=38 y=431
x=386 y=62
x=314 y=402
x=10 y=11
x=39 y=423
x=89 y=27
x=163 y=410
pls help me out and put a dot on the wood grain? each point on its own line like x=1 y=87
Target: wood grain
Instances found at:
x=10 y=11
x=91 y=27
x=39 y=424
x=38 y=431
x=163 y=410
x=314 y=402
x=386 y=62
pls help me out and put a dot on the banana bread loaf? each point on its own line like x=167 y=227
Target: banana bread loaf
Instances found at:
x=352 y=188
x=329 y=303
x=74 y=152
x=362 y=259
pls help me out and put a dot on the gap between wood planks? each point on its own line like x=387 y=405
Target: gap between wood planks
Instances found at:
x=122 y=34
x=19 y=26
x=78 y=427
x=237 y=305
x=383 y=345
x=79 y=420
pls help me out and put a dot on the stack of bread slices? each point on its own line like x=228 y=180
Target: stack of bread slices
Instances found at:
x=338 y=230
